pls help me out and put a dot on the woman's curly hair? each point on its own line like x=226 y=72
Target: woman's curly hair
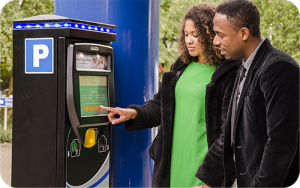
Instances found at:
x=202 y=14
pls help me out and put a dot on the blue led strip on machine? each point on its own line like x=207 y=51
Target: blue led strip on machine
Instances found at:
x=64 y=25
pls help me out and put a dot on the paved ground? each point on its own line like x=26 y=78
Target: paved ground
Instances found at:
x=5 y=163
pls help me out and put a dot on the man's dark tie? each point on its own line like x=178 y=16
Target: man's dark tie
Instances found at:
x=234 y=105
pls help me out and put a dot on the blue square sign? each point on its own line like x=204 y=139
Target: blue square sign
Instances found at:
x=39 y=56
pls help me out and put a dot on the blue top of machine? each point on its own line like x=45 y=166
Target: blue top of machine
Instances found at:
x=49 y=21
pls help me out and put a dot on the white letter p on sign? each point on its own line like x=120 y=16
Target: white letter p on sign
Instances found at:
x=36 y=53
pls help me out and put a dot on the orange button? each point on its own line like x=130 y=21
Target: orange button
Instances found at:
x=98 y=108
x=88 y=108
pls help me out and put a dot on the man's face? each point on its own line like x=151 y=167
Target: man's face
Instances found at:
x=227 y=38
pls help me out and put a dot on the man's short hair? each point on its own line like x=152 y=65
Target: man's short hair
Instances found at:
x=241 y=13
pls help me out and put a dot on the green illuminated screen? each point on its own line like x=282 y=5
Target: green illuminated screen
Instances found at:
x=93 y=92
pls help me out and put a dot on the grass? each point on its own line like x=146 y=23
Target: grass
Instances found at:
x=5 y=136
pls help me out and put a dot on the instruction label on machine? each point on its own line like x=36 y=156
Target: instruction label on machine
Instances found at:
x=93 y=92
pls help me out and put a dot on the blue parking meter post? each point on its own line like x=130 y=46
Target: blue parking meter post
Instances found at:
x=136 y=76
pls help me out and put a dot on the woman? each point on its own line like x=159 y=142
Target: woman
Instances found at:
x=190 y=106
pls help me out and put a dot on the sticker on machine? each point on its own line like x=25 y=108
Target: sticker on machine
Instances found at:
x=39 y=56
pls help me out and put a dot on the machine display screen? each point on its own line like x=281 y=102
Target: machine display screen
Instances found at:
x=94 y=61
x=93 y=92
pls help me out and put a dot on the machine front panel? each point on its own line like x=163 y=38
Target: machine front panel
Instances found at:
x=89 y=85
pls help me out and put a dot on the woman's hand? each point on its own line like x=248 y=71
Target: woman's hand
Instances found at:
x=202 y=186
x=206 y=186
x=124 y=113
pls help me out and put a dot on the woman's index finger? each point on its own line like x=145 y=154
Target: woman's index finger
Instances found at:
x=106 y=108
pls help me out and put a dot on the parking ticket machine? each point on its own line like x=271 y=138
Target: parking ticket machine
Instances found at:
x=63 y=72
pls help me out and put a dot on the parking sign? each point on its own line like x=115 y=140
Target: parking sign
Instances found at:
x=39 y=56
x=6 y=102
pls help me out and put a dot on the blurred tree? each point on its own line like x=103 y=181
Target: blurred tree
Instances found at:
x=14 y=10
x=280 y=22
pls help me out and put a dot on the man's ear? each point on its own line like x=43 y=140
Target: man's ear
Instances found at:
x=245 y=33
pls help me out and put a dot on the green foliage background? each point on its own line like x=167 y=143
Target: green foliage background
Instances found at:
x=280 y=23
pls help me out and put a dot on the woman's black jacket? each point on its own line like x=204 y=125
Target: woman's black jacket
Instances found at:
x=160 y=111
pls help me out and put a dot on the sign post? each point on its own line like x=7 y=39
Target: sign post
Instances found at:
x=5 y=102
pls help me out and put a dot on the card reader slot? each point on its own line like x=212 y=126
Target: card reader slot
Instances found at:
x=93 y=125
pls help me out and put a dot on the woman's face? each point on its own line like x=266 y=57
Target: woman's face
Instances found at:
x=191 y=38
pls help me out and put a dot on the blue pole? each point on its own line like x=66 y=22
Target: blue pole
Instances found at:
x=136 y=76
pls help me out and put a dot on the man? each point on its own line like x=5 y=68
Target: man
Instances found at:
x=259 y=144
